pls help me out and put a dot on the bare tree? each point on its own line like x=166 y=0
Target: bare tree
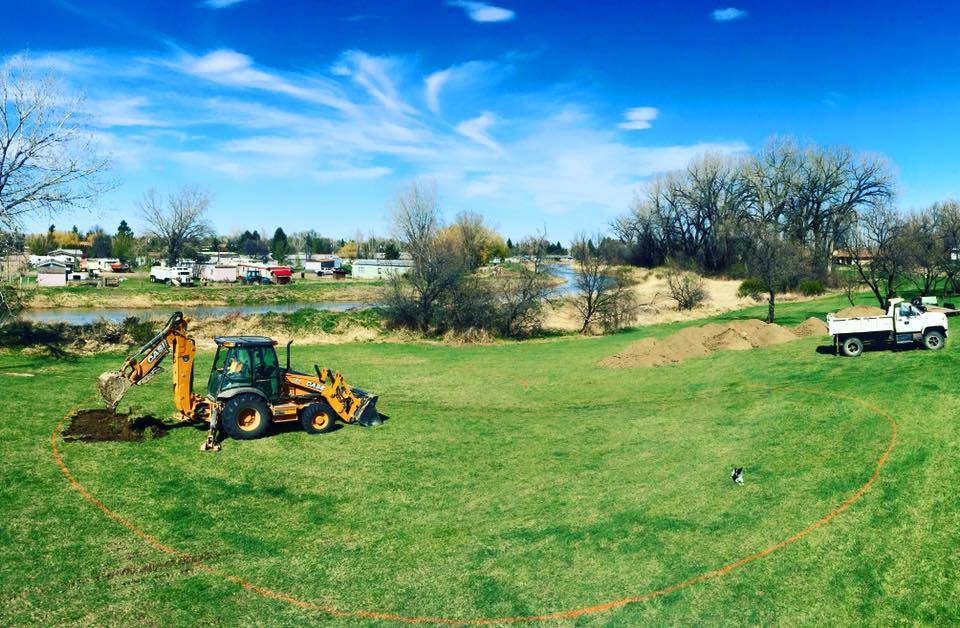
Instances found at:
x=925 y=250
x=773 y=260
x=947 y=216
x=877 y=251
x=414 y=299
x=520 y=295
x=604 y=295
x=48 y=159
x=179 y=222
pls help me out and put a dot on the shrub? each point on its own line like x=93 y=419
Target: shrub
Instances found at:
x=686 y=288
x=810 y=287
x=753 y=288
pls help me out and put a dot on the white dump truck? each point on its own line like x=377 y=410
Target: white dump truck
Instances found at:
x=175 y=275
x=903 y=324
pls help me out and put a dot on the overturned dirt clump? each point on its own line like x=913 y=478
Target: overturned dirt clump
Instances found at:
x=813 y=326
x=100 y=425
x=859 y=310
x=695 y=342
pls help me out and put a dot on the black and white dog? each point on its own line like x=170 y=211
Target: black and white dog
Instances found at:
x=737 y=475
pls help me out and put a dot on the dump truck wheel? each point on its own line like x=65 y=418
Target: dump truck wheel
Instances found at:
x=317 y=418
x=245 y=417
x=852 y=347
x=933 y=340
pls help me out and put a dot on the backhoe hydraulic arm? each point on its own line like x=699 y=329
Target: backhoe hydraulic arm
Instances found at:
x=144 y=364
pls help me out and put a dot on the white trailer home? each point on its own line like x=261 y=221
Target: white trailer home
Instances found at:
x=380 y=268
x=226 y=273
x=52 y=273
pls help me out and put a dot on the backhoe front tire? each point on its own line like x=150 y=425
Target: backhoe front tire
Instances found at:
x=851 y=347
x=933 y=340
x=245 y=417
x=318 y=418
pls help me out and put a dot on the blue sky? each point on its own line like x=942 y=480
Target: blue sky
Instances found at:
x=536 y=114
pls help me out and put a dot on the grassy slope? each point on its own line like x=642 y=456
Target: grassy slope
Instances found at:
x=510 y=479
x=139 y=292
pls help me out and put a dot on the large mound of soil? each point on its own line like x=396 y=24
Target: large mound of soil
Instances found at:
x=695 y=342
x=860 y=310
x=813 y=326
x=100 y=425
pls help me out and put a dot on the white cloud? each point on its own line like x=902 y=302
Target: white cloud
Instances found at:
x=638 y=118
x=476 y=129
x=219 y=4
x=352 y=174
x=232 y=116
x=122 y=112
x=728 y=15
x=433 y=84
x=375 y=74
x=483 y=12
x=232 y=68
x=462 y=75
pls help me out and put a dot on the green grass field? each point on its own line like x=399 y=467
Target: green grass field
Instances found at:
x=510 y=479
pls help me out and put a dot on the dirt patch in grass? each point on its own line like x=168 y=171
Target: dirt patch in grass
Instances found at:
x=100 y=425
x=695 y=342
x=813 y=326
x=860 y=310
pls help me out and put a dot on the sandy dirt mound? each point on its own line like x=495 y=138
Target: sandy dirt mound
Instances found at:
x=813 y=326
x=696 y=342
x=99 y=425
x=860 y=310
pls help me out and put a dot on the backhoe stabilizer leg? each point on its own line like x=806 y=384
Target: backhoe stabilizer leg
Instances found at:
x=211 y=443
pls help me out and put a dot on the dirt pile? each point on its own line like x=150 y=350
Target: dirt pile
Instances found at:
x=813 y=326
x=696 y=342
x=860 y=310
x=99 y=425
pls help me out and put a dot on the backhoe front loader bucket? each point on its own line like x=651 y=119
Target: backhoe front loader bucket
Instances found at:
x=367 y=416
x=113 y=386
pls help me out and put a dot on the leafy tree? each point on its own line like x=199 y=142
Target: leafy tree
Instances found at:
x=391 y=250
x=102 y=245
x=124 y=229
x=123 y=246
x=280 y=246
x=348 y=250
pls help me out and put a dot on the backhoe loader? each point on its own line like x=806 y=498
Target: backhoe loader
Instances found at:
x=247 y=388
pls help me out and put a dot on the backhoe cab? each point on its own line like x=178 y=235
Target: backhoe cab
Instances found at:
x=247 y=388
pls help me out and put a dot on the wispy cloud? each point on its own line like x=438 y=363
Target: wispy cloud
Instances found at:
x=728 y=15
x=483 y=12
x=638 y=118
x=464 y=74
x=372 y=119
x=219 y=4
x=476 y=129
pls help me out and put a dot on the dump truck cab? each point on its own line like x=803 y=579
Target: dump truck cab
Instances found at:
x=245 y=364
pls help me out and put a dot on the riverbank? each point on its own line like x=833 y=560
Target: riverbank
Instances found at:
x=138 y=293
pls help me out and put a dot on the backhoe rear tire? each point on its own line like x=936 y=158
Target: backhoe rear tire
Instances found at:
x=318 y=418
x=245 y=417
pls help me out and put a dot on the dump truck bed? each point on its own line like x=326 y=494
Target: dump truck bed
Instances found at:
x=859 y=325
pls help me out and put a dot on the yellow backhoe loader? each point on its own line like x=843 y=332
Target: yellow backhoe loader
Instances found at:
x=247 y=388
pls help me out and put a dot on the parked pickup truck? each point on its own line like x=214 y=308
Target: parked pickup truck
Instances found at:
x=902 y=324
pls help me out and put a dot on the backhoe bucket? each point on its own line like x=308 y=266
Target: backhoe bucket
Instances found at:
x=368 y=416
x=113 y=386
